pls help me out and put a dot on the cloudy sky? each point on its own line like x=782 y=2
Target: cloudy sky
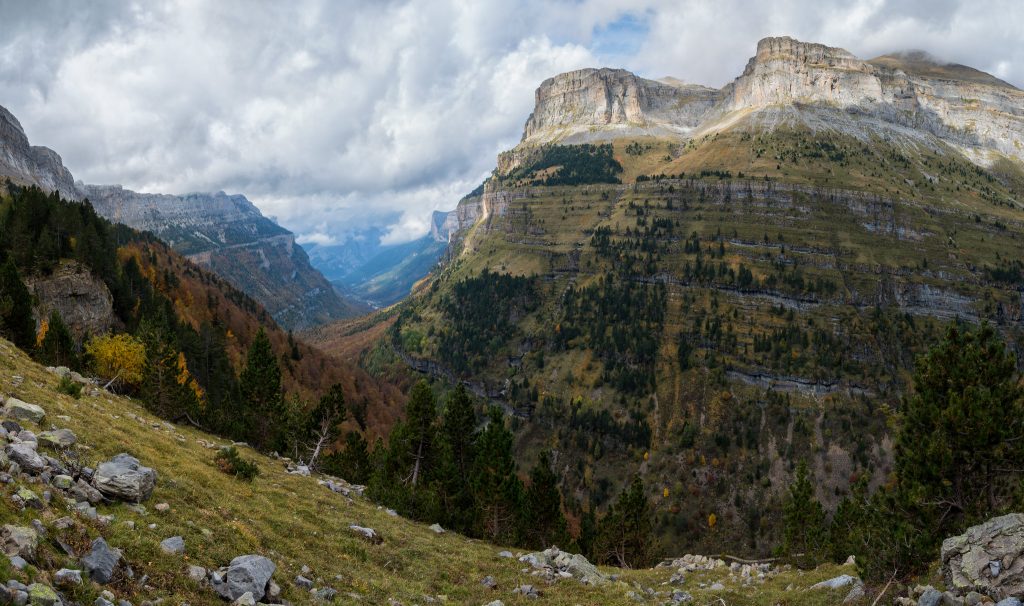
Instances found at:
x=333 y=116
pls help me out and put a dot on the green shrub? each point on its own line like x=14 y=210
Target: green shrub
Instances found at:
x=230 y=462
x=70 y=387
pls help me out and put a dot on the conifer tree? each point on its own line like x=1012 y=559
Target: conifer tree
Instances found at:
x=352 y=462
x=421 y=412
x=959 y=445
x=624 y=536
x=544 y=523
x=262 y=400
x=57 y=346
x=161 y=387
x=497 y=488
x=803 y=532
x=16 y=322
x=458 y=438
x=324 y=421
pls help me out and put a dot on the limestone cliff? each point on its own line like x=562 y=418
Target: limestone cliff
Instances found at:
x=82 y=300
x=25 y=164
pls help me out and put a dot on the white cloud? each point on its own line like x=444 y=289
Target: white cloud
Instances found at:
x=337 y=116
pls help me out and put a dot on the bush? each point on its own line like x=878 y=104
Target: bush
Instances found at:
x=230 y=462
x=70 y=387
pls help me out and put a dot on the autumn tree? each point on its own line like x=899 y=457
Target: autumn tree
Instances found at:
x=119 y=360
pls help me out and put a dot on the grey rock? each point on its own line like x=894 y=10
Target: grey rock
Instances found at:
x=197 y=573
x=303 y=582
x=19 y=541
x=26 y=457
x=42 y=595
x=437 y=528
x=246 y=599
x=67 y=577
x=124 y=478
x=505 y=554
x=59 y=438
x=11 y=427
x=101 y=561
x=1009 y=602
x=489 y=582
x=931 y=597
x=496 y=603
x=247 y=573
x=837 y=582
x=13 y=584
x=101 y=601
x=23 y=411
x=367 y=533
x=325 y=594
x=173 y=545
x=527 y=591
x=20 y=598
x=967 y=559
x=63 y=482
x=717 y=587
x=18 y=562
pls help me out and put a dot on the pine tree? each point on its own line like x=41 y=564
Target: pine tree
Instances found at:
x=458 y=439
x=262 y=400
x=959 y=446
x=494 y=482
x=352 y=462
x=544 y=523
x=421 y=412
x=803 y=532
x=16 y=322
x=624 y=535
x=161 y=387
x=57 y=346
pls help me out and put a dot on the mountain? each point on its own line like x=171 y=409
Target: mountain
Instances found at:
x=230 y=236
x=705 y=287
x=227 y=234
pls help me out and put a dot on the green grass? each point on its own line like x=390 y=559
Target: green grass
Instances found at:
x=293 y=521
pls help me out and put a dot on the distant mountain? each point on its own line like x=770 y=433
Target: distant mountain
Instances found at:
x=225 y=233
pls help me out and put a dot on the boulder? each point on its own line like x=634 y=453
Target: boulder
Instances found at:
x=101 y=561
x=59 y=438
x=367 y=533
x=23 y=411
x=124 y=478
x=197 y=573
x=173 y=545
x=19 y=541
x=82 y=491
x=26 y=457
x=245 y=574
x=987 y=558
x=66 y=577
x=42 y=595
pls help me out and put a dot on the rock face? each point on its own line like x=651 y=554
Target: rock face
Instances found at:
x=568 y=105
x=958 y=105
x=25 y=164
x=988 y=558
x=123 y=477
x=83 y=301
x=229 y=235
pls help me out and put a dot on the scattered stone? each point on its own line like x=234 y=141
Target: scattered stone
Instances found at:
x=67 y=577
x=437 y=528
x=246 y=599
x=26 y=457
x=527 y=591
x=967 y=559
x=19 y=541
x=42 y=595
x=162 y=507
x=367 y=533
x=496 y=603
x=60 y=438
x=124 y=478
x=29 y=498
x=306 y=569
x=197 y=573
x=505 y=554
x=717 y=587
x=325 y=594
x=1009 y=602
x=101 y=561
x=837 y=582
x=84 y=492
x=303 y=582
x=23 y=411
x=173 y=545
x=18 y=562
x=63 y=482
x=930 y=597
x=11 y=427
x=555 y=561
x=489 y=582
x=245 y=574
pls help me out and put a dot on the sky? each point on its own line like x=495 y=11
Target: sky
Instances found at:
x=335 y=116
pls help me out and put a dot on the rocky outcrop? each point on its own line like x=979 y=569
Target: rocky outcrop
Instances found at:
x=83 y=301
x=987 y=558
x=26 y=164
x=569 y=105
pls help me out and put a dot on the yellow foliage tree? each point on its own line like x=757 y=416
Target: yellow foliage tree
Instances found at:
x=118 y=359
x=712 y=520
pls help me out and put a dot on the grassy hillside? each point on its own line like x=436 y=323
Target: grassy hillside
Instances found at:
x=740 y=303
x=295 y=522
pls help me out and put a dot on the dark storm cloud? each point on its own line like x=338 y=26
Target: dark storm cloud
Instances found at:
x=334 y=115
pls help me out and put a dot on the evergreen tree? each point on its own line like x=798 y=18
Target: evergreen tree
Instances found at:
x=624 y=533
x=421 y=412
x=586 y=541
x=494 y=482
x=16 y=322
x=161 y=388
x=959 y=445
x=262 y=400
x=57 y=347
x=458 y=437
x=544 y=523
x=352 y=462
x=803 y=531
